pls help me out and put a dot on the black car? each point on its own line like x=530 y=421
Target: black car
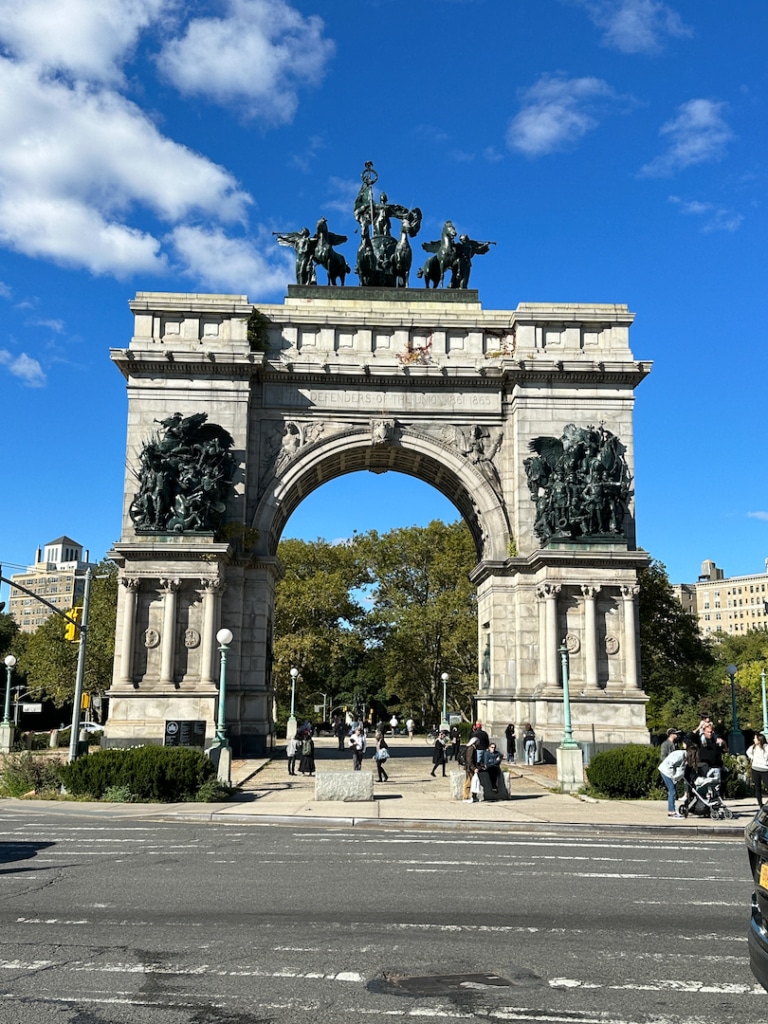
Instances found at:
x=756 y=837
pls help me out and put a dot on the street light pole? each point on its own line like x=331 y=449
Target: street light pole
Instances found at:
x=736 y=736
x=444 y=724
x=290 y=730
x=765 y=705
x=6 y=728
x=224 y=638
x=74 y=735
x=570 y=760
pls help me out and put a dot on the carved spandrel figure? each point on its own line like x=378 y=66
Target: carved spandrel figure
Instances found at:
x=579 y=482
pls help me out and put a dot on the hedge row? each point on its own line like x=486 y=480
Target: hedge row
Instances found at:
x=165 y=774
x=632 y=773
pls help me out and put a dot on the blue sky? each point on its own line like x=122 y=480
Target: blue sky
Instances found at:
x=615 y=150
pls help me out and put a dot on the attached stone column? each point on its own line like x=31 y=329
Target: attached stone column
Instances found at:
x=629 y=597
x=132 y=586
x=212 y=590
x=170 y=587
x=548 y=593
x=590 y=638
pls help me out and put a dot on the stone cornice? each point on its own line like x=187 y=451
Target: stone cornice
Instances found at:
x=579 y=558
x=171 y=547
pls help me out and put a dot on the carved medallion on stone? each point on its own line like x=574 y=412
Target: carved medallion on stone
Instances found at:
x=572 y=643
x=191 y=638
x=611 y=644
x=151 y=638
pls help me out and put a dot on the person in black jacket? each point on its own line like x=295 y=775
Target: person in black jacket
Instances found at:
x=438 y=755
x=509 y=733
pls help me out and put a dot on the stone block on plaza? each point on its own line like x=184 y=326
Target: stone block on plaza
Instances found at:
x=348 y=787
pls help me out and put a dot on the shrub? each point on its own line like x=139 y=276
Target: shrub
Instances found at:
x=212 y=791
x=162 y=774
x=738 y=782
x=24 y=773
x=627 y=772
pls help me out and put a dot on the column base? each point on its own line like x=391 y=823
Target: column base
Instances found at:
x=570 y=768
x=7 y=735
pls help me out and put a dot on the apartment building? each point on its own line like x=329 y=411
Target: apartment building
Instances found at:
x=735 y=604
x=57 y=575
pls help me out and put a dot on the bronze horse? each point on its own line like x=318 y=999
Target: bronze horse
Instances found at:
x=444 y=255
x=403 y=255
x=326 y=256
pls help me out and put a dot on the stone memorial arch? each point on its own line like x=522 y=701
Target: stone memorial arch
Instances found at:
x=522 y=418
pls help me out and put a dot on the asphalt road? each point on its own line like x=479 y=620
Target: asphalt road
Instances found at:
x=108 y=919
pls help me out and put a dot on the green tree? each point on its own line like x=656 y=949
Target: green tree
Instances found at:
x=9 y=630
x=749 y=653
x=674 y=657
x=425 y=614
x=319 y=620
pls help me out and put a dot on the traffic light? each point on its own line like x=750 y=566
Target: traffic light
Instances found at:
x=71 y=632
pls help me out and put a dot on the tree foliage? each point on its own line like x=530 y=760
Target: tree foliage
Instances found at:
x=674 y=657
x=377 y=621
x=49 y=661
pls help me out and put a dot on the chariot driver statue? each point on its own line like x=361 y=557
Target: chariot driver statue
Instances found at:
x=381 y=259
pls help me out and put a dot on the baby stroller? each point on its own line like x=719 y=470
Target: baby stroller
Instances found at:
x=703 y=797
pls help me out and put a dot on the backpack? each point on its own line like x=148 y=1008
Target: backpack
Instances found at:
x=306 y=748
x=462 y=757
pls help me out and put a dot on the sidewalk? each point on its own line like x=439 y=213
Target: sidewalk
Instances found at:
x=412 y=798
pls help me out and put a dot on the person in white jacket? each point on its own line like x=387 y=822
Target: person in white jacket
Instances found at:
x=671 y=771
x=758 y=756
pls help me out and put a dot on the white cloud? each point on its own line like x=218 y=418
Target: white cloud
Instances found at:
x=85 y=38
x=230 y=264
x=74 y=165
x=258 y=56
x=5 y=291
x=635 y=26
x=697 y=135
x=714 y=218
x=757 y=515
x=24 y=367
x=557 y=112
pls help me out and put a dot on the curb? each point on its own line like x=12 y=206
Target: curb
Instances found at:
x=428 y=824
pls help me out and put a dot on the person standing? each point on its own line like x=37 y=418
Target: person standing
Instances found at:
x=393 y=723
x=292 y=751
x=470 y=768
x=509 y=733
x=438 y=755
x=410 y=725
x=669 y=744
x=307 y=762
x=455 y=736
x=340 y=730
x=381 y=756
x=529 y=744
x=493 y=759
x=357 y=744
x=483 y=741
x=758 y=757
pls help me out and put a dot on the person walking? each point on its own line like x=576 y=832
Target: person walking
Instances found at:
x=672 y=770
x=292 y=752
x=438 y=755
x=340 y=730
x=381 y=756
x=529 y=744
x=470 y=767
x=307 y=762
x=758 y=757
x=410 y=725
x=509 y=733
x=393 y=724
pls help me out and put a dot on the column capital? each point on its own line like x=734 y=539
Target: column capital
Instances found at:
x=170 y=584
x=131 y=583
x=629 y=591
x=590 y=590
x=213 y=584
x=548 y=591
